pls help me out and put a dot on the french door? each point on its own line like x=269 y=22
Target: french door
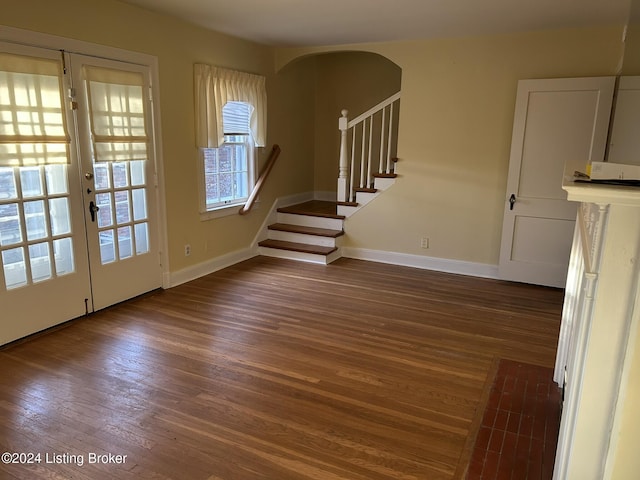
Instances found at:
x=78 y=216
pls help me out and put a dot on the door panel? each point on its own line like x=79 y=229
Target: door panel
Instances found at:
x=559 y=124
x=116 y=131
x=44 y=272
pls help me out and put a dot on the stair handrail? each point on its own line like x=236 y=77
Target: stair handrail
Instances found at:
x=346 y=173
x=273 y=156
x=373 y=110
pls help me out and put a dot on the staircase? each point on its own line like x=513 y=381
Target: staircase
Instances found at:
x=311 y=231
x=308 y=231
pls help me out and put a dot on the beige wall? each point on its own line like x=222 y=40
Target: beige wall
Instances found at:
x=355 y=81
x=456 y=116
x=179 y=45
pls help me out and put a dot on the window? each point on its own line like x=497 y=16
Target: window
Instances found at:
x=230 y=122
x=228 y=169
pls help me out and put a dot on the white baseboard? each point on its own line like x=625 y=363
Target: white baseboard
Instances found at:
x=427 y=263
x=210 y=266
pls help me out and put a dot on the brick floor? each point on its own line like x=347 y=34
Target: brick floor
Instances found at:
x=519 y=431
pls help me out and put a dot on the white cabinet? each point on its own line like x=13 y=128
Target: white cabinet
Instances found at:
x=599 y=331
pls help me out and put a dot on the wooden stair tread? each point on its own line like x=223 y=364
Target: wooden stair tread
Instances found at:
x=385 y=175
x=314 y=208
x=320 y=232
x=297 y=247
x=367 y=190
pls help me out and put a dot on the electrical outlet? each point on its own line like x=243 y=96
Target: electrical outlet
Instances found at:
x=424 y=242
x=187 y=250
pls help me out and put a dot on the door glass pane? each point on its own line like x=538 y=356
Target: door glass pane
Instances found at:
x=40 y=262
x=36 y=222
x=142 y=238
x=105 y=216
x=101 y=176
x=56 y=179
x=15 y=271
x=60 y=216
x=107 y=247
x=139 y=204
x=7 y=184
x=137 y=172
x=31 y=182
x=10 y=232
x=63 y=255
x=124 y=242
x=120 y=177
x=122 y=207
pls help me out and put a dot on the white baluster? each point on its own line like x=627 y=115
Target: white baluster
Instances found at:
x=351 y=196
x=362 y=163
x=343 y=166
x=381 y=167
x=389 y=138
x=368 y=183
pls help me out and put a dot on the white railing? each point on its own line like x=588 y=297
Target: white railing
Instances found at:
x=362 y=155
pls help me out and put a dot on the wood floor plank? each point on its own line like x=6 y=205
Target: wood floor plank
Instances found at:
x=273 y=370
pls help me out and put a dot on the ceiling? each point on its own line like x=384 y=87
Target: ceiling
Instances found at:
x=331 y=22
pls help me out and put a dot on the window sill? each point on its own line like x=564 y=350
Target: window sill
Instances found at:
x=225 y=211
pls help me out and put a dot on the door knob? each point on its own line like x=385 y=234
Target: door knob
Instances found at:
x=512 y=201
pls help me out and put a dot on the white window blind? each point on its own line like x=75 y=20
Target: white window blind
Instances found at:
x=33 y=128
x=236 y=117
x=216 y=87
x=117 y=114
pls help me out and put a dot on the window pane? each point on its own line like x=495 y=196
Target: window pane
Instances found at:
x=40 y=262
x=242 y=187
x=211 y=186
x=56 y=179
x=120 y=177
x=142 y=238
x=107 y=247
x=36 y=221
x=139 y=204
x=31 y=182
x=63 y=255
x=105 y=216
x=101 y=176
x=210 y=160
x=124 y=242
x=7 y=184
x=122 y=207
x=226 y=186
x=60 y=216
x=15 y=271
x=137 y=172
x=10 y=232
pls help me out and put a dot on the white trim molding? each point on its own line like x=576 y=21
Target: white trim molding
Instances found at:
x=446 y=265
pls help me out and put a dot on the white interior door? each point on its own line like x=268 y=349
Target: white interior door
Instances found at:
x=558 y=124
x=59 y=259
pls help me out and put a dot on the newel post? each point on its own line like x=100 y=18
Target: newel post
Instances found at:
x=343 y=169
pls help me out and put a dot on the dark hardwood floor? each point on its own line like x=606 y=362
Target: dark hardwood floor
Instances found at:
x=272 y=369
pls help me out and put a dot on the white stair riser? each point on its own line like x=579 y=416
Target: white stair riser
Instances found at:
x=302 y=238
x=310 y=221
x=384 y=183
x=301 y=256
x=365 y=197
